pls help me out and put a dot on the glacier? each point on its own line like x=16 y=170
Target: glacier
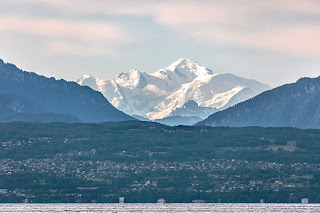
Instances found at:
x=166 y=92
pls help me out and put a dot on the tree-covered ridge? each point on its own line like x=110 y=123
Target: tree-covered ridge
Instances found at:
x=290 y=105
x=28 y=97
x=142 y=140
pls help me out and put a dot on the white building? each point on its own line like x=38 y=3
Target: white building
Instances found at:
x=121 y=199
x=161 y=200
x=304 y=200
x=3 y=191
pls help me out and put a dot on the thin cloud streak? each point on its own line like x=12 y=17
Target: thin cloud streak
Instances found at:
x=242 y=26
x=249 y=38
x=253 y=24
x=68 y=37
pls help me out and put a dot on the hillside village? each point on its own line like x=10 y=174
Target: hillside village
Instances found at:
x=77 y=169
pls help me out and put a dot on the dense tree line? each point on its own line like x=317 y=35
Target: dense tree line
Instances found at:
x=139 y=141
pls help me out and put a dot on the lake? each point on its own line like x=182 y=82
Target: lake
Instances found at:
x=153 y=208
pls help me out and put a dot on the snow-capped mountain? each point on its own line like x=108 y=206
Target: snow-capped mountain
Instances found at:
x=163 y=93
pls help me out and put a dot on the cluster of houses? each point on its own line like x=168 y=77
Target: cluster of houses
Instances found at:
x=208 y=175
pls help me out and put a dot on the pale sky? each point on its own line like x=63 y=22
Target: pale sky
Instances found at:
x=274 y=41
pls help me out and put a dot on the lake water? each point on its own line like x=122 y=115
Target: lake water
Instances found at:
x=153 y=208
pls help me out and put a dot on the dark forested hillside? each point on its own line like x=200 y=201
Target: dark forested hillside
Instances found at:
x=25 y=95
x=291 y=105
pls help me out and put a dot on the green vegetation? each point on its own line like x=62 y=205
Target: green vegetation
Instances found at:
x=59 y=162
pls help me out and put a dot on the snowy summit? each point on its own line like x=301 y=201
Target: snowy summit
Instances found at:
x=165 y=92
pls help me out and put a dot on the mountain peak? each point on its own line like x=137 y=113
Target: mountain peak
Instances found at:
x=130 y=79
x=132 y=75
x=134 y=72
x=86 y=77
x=190 y=104
x=184 y=67
x=188 y=65
x=182 y=63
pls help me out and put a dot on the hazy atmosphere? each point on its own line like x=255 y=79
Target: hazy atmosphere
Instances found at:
x=168 y=106
x=274 y=42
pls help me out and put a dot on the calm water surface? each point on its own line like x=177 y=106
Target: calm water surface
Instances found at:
x=185 y=208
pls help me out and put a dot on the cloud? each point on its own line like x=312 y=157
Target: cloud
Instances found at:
x=115 y=7
x=279 y=26
x=290 y=27
x=67 y=37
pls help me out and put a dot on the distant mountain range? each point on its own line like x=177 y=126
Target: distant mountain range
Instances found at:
x=290 y=105
x=182 y=94
x=184 y=89
x=26 y=96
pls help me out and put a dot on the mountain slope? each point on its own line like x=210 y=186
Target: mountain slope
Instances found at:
x=159 y=94
x=191 y=108
x=179 y=120
x=30 y=94
x=291 y=105
x=14 y=108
